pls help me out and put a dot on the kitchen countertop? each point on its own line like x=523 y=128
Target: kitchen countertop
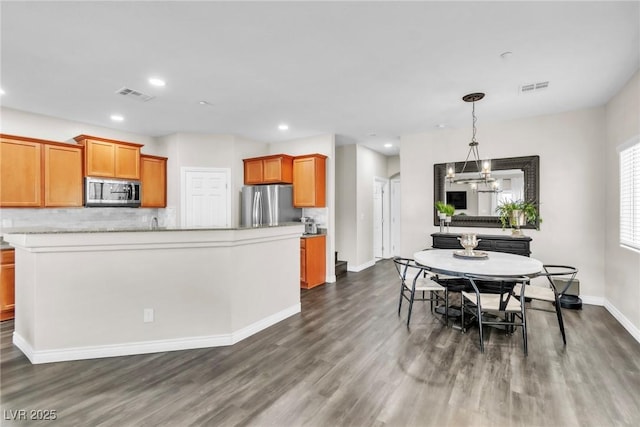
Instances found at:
x=49 y=230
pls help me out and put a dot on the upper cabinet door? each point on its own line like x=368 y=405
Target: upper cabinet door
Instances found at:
x=62 y=175
x=100 y=158
x=20 y=173
x=309 y=176
x=274 y=169
x=127 y=161
x=110 y=158
x=252 y=171
x=278 y=170
x=153 y=176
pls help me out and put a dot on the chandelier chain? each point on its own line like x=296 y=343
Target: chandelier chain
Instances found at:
x=475 y=119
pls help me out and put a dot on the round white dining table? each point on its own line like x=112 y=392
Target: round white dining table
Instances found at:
x=442 y=261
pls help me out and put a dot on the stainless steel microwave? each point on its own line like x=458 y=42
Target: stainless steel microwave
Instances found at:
x=99 y=192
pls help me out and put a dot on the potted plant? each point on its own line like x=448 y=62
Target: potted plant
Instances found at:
x=517 y=214
x=445 y=212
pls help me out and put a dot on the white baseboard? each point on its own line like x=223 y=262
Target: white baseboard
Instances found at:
x=622 y=319
x=617 y=314
x=586 y=299
x=127 y=349
x=256 y=327
x=361 y=266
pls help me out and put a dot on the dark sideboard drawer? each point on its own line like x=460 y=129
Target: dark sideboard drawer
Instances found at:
x=488 y=242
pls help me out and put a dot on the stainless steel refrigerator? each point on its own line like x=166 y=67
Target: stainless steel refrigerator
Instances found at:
x=268 y=205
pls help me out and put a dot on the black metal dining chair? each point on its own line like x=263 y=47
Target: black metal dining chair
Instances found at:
x=415 y=279
x=549 y=292
x=494 y=301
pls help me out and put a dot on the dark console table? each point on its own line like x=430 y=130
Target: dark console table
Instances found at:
x=488 y=242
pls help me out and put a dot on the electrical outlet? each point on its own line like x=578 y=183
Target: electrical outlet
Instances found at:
x=148 y=315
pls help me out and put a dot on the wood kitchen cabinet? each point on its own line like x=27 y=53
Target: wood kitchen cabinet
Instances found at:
x=309 y=176
x=20 y=172
x=37 y=173
x=153 y=177
x=313 y=263
x=62 y=175
x=7 y=284
x=110 y=158
x=275 y=169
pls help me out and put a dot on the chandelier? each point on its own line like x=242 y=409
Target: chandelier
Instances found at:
x=483 y=167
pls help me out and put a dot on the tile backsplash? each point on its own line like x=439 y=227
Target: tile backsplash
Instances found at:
x=318 y=214
x=82 y=218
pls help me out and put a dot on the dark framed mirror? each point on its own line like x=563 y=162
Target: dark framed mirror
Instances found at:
x=522 y=174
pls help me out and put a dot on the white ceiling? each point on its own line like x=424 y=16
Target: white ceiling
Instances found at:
x=366 y=71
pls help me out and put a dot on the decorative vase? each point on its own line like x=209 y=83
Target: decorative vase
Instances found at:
x=447 y=221
x=517 y=220
x=469 y=241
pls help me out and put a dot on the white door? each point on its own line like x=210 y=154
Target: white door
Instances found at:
x=395 y=217
x=206 y=200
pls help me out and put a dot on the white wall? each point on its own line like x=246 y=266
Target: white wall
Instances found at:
x=321 y=144
x=210 y=151
x=358 y=166
x=571 y=149
x=393 y=166
x=369 y=164
x=622 y=266
x=346 y=203
x=20 y=123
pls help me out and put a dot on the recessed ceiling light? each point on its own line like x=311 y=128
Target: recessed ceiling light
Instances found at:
x=388 y=145
x=117 y=117
x=157 y=82
x=441 y=125
x=204 y=103
x=283 y=126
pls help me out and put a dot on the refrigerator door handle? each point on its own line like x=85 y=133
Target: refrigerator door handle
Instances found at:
x=255 y=214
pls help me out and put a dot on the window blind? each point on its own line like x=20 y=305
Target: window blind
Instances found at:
x=630 y=196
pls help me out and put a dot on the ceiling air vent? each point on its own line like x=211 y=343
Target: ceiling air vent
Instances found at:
x=532 y=87
x=134 y=94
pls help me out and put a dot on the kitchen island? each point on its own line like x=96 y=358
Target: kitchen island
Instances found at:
x=102 y=293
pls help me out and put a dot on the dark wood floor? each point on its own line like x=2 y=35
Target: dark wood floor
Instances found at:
x=348 y=359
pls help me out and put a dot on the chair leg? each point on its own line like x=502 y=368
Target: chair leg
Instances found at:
x=446 y=306
x=523 y=320
x=524 y=332
x=410 y=307
x=462 y=310
x=430 y=300
x=480 y=329
x=401 y=297
x=560 y=320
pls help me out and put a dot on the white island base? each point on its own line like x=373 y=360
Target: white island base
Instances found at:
x=84 y=295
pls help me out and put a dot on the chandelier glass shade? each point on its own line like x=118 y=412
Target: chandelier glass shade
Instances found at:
x=483 y=167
